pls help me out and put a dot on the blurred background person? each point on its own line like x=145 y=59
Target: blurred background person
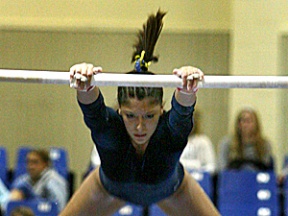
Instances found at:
x=246 y=148
x=93 y=162
x=282 y=175
x=4 y=196
x=22 y=211
x=95 y=159
x=199 y=154
x=41 y=181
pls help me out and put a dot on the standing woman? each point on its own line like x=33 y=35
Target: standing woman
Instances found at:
x=140 y=144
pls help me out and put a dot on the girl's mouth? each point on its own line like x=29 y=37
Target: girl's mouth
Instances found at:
x=139 y=135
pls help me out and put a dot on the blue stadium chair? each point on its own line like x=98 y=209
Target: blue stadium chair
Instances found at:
x=243 y=192
x=129 y=210
x=59 y=159
x=205 y=180
x=4 y=166
x=60 y=162
x=154 y=210
x=285 y=196
x=20 y=167
x=40 y=208
x=262 y=211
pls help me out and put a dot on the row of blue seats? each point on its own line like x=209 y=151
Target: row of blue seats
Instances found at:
x=238 y=193
x=39 y=208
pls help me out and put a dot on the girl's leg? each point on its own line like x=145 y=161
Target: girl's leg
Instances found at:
x=92 y=199
x=189 y=199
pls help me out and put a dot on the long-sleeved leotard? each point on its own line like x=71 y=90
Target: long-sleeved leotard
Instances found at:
x=159 y=173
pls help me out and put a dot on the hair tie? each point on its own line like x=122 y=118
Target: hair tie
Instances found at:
x=140 y=62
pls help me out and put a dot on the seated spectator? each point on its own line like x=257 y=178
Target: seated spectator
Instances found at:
x=283 y=174
x=95 y=159
x=40 y=181
x=199 y=153
x=4 y=195
x=247 y=148
x=93 y=163
x=22 y=211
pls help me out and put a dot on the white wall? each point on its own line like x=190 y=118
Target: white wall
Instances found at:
x=90 y=14
x=256 y=27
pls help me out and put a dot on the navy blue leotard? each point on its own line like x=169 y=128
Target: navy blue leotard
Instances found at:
x=159 y=173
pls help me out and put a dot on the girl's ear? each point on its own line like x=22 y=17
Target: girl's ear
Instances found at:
x=119 y=111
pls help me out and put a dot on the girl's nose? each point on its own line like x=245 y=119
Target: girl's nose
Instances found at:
x=140 y=123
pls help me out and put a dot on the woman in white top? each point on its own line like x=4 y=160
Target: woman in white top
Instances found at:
x=199 y=153
x=95 y=159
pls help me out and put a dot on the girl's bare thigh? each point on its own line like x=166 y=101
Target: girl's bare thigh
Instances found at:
x=189 y=199
x=92 y=199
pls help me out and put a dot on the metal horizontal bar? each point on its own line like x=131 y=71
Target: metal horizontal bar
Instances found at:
x=118 y=79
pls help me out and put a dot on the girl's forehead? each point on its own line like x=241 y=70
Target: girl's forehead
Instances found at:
x=144 y=105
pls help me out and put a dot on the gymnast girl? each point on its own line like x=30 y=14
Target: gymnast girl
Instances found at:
x=139 y=144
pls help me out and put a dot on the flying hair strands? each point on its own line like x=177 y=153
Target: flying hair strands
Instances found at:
x=147 y=38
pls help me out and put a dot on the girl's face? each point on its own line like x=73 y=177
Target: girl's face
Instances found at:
x=140 y=119
x=247 y=124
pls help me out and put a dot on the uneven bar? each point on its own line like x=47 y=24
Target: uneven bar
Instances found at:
x=118 y=79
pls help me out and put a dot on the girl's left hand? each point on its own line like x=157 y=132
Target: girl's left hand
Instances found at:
x=194 y=74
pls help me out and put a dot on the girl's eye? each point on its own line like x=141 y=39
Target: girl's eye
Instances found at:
x=149 y=116
x=130 y=116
